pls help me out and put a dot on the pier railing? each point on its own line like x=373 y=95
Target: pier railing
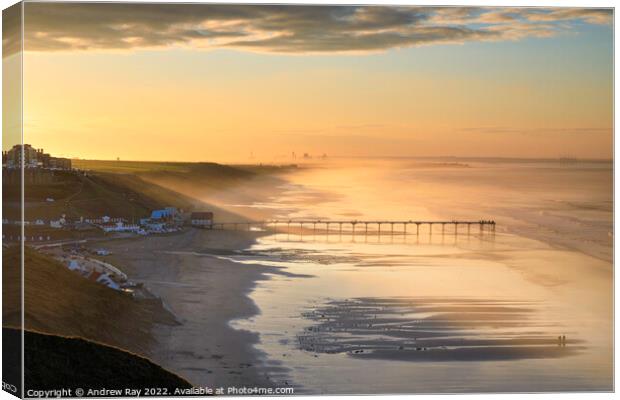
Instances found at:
x=358 y=227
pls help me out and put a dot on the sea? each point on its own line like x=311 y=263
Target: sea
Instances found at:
x=524 y=306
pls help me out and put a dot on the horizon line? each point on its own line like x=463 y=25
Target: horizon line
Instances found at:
x=558 y=158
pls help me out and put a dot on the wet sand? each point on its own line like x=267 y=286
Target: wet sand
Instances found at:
x=205 y=292
x=447 y=315
x=434 y=329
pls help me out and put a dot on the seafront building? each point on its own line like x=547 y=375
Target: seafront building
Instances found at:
x=201 y=219
x=32 y=158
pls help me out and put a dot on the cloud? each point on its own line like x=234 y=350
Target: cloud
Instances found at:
x=11 y=32
x=285 y=28
x=588 y=15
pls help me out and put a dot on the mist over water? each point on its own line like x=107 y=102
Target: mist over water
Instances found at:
x=441 y=312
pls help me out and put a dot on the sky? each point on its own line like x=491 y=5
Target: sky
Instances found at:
x=257 y=83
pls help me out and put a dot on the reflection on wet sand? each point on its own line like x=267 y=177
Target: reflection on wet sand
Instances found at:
x=423 y=329
x=441 y=238
x=488 y=308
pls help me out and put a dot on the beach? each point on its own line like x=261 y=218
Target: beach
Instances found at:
x=204 y=292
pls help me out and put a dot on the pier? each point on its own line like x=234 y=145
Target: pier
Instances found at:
x=383 y=227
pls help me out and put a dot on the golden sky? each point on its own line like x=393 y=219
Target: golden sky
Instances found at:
x=232 y=82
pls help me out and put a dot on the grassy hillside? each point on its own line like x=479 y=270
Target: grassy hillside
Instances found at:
x=147 y=194
x=133 y=189
x=120 y=195
x=61 y=302
x=131 y=167
x=53 y=362
x=203 y=175
x=91 y=195
x=207 y=168
x=216 y=187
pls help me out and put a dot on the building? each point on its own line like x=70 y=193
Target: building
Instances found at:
x=119 y=227
x=154 y=226
x=13 y=158
x=75 y=266
x=106 y=280
x=159 y=214
x=202 y=219
x=32 y=158
x=166 y=213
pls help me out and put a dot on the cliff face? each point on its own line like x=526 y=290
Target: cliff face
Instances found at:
x=61 y=302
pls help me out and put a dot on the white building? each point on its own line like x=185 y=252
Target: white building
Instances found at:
x=155 y=226
x=120 y=227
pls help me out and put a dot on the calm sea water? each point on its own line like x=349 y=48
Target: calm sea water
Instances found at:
x=437 y=312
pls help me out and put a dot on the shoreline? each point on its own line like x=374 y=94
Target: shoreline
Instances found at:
x=183 y=269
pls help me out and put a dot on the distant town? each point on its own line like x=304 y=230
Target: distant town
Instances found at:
x=62 y=236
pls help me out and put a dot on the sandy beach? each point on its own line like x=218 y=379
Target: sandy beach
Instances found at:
x=205 y=293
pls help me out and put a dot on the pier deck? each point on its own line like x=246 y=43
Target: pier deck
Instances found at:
x=354 y=226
